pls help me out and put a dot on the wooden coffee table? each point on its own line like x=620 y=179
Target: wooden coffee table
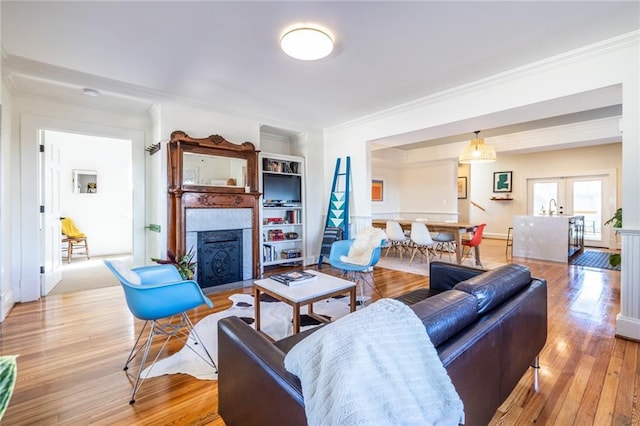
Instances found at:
x=321 y=288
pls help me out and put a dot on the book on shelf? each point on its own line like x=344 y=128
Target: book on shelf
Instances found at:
x=268 y=253
x=293 y=278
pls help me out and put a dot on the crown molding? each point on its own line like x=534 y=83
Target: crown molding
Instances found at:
x=35 y=69
x=566 y=136
x=593 y=50
x=12 y=64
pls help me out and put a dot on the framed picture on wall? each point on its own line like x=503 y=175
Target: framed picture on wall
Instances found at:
x=462 y=187
x=502 y=181
x=377 y=190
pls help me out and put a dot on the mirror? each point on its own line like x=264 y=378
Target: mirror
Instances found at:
x=85 y=181
x=213 y=170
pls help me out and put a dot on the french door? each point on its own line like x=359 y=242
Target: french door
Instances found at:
x=589 y=196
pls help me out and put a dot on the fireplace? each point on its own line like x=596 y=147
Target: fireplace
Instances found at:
x=201 y=201
x=231 y=229
x=219 y=257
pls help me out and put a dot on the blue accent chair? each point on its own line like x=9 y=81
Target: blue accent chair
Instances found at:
x=354 y=272
x=158 y=295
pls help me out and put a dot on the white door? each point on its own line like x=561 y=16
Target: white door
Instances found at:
x=587 y=199
x=50 y=218
x=575 y=195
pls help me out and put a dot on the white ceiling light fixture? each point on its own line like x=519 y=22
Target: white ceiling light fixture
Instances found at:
x=307 y=42
x=477 y=152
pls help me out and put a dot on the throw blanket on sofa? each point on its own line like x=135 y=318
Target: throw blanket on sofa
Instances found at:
x=376 y=366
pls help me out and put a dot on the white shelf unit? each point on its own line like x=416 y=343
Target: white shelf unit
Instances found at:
x=282 y=213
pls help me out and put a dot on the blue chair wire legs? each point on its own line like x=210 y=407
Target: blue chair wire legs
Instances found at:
x=358 y=273
x=159 y=296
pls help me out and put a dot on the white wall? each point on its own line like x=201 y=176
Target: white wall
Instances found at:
x=105 y=216
x=495 y=102
x=276 y=144
x=200 y=123
x=197 y=123
x=308 y=145
x=588 y=69
x=430 y=192
x=579 y=161
x=414 y=192
x=31 y=114
x=417 y=192
x=7 y=297
x=389 y=207
x=464 y=203
x=156 y=196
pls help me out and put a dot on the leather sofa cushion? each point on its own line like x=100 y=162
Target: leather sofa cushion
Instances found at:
x=494 y=287
x=418 y=295
x=445 y=314
x=444 y=276
x=289 y=342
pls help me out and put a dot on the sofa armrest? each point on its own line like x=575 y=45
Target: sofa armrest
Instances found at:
x=253 y=386
x=444 y=276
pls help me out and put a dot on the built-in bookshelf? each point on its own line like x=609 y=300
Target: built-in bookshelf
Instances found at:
x=282 y=209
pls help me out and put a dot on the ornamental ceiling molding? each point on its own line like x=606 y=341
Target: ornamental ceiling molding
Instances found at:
x=567 y=136
x=590 y=51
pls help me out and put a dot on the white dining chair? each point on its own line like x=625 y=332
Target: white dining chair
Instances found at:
x=396 y=238
x=421 y=241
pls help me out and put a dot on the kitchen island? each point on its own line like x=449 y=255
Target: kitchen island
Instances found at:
x=554 y=238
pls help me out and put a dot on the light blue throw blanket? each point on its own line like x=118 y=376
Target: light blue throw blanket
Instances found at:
x=376 y=366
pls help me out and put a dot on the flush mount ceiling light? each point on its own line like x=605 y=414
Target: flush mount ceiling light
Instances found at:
x=477 y=152
x=90 y=92
x=307 y=42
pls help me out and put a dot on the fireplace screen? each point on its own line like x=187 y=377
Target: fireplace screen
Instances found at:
x=219 y=257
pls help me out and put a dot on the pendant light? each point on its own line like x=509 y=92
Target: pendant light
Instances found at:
x=477 y=152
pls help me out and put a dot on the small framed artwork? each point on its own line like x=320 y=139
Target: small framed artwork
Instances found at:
x=502 y=181
x=377 y=190
x=462 y=187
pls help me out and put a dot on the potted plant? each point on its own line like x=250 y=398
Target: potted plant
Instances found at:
x=616 y=221
x=184 y=263
x=8 y=373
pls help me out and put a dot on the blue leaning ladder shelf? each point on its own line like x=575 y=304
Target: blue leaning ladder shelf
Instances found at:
x=336 y=226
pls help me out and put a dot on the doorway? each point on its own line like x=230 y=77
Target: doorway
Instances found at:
x=29 y=239
x=589 y=196
x=101 y=208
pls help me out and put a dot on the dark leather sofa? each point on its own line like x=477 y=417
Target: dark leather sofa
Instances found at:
x=487 y=326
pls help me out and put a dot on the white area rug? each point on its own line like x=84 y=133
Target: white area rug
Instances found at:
x=419 y=265
x=275 y=320
x=392 y=262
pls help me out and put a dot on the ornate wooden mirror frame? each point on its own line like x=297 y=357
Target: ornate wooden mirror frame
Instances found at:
x=187 y=192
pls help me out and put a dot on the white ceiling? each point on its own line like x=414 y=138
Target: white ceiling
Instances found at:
x=225 y=55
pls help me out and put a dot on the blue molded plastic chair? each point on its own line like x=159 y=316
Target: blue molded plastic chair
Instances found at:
x=354 y=272
x=161 y=297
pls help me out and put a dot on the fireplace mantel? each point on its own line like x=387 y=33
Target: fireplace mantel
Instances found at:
x=211 y=173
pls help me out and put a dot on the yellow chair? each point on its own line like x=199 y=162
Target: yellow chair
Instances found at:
x=72 y=239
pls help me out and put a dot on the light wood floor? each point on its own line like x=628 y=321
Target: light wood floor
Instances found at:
x=72 y=349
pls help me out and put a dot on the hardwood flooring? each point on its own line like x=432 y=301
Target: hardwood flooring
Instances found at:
x=72 y=348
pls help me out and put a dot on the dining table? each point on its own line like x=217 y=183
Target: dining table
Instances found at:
x=458 y=229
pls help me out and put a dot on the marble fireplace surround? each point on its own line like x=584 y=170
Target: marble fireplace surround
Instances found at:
x=221 y=219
